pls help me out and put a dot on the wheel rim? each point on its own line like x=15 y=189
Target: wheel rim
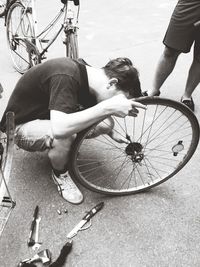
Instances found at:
x=17 y=31
x=161 y=141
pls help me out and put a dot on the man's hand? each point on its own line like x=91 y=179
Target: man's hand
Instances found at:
x=120 y=106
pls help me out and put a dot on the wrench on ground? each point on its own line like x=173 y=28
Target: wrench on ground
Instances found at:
x=37 y=244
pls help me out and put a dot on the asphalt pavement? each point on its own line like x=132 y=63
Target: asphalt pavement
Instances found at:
x=159 y=228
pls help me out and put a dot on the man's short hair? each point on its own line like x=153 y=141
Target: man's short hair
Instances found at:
x=127 y=75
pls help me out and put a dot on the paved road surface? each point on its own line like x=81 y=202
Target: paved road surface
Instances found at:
x=156 y=229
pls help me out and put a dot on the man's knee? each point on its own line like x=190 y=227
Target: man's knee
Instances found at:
x=196 y=57
x=196 y=50
x=34 y=135
x=171 y=53
x=60 y=148
x=63 y=144
x=104 y=127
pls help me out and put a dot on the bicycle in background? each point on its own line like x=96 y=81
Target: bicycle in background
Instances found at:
x=3 y=5
x=27 y=46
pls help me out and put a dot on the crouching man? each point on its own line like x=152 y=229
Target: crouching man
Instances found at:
x=57 y=99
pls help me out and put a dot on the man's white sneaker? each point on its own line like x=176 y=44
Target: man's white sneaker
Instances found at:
x=67 y=188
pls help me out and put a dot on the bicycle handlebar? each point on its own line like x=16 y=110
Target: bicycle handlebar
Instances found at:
x=76 y=2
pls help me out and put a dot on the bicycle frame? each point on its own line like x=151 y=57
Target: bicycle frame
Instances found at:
x=6 y=155
x=70 y=24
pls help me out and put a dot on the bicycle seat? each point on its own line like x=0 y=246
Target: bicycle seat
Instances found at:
x=76 y=2
x=82 y=61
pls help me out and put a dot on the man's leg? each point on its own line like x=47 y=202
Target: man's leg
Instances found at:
x=1 y=90
x=59 y=153
x=59 y=157
x=164 y=68
x=37 y=136
x=193 y=79
x=107 y=127
x=104 y=127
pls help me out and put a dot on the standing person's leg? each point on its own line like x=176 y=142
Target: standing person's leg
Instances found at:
x=164 y=68
x=173 y=47
x=37 y=136
x=1 y=90
x=179 y=38
x=193 y=78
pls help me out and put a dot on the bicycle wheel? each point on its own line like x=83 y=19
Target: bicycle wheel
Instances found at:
x=72 y=45
x=161 y=140
x=2 y=7
x=19 y=28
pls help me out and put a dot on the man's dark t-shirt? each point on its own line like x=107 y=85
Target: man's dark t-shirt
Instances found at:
x=58 y=84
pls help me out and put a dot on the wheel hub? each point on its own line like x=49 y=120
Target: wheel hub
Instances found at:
x=134 y=150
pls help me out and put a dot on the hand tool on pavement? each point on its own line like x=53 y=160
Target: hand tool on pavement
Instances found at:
x=85 y=219
x=37 y=244
x=26 y=265
x=44 y=256
x=31 y=241
x=63 y=255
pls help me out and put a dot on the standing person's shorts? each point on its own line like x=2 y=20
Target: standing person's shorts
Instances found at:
x=34 y=135
x=181 y=32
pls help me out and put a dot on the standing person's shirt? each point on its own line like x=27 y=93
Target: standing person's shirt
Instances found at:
x=58 y=84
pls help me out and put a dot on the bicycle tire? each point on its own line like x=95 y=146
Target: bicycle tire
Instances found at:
x=19 y=28
x=2 y=7
x=162 y=139
x=6 y=154
x=72 y=45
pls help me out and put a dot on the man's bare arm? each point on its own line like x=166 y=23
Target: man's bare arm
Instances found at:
x=65 y=125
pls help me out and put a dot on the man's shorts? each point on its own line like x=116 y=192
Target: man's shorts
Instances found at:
x=181 y=32
x=34 y=135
